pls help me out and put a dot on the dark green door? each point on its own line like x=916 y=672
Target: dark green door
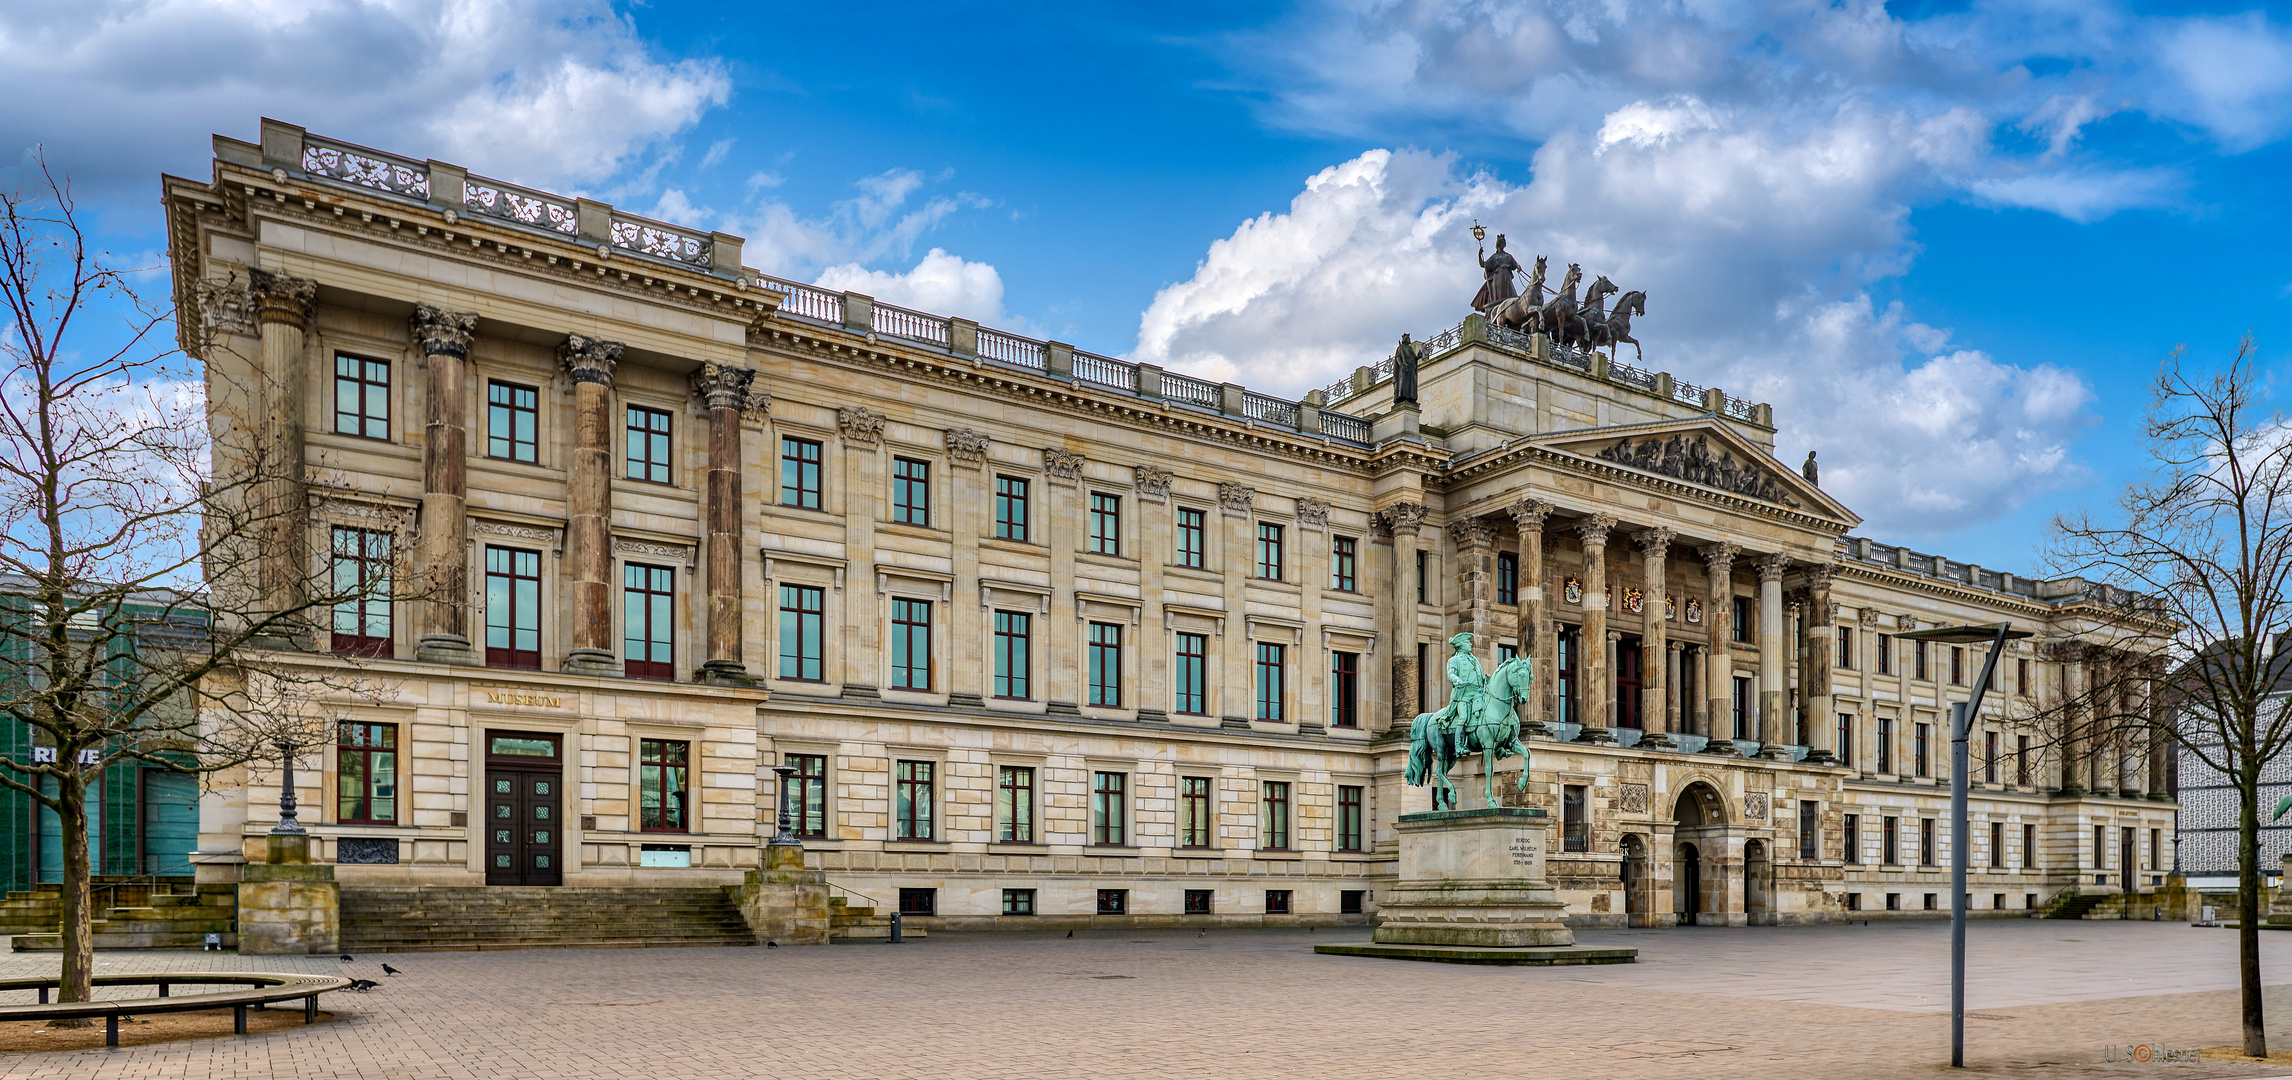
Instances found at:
x=523 y=828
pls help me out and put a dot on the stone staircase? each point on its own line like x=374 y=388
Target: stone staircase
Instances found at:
x=849 y=922
x=2071 y=904
x=157 y=915
x=435 y=918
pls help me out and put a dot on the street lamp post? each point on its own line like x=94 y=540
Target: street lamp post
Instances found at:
x=287 y=822
x=787 y=836
x=1961 y=720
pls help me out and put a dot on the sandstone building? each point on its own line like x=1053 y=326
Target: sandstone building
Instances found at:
x=1052 y=636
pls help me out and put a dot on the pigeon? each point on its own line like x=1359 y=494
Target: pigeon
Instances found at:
x=771 y=944
x=363 y=985
x=1204 y=933
x=1070 y=933
x=388 y=970
x=347 y=958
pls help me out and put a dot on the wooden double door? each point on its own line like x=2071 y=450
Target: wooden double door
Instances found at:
x=524 y=810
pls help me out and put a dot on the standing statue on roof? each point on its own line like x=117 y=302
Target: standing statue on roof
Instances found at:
x=1811 y=471
x=1406 y=356
x=1496 y=272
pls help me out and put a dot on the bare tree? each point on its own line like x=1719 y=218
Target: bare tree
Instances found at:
x=2204 y=540
x=114 y=520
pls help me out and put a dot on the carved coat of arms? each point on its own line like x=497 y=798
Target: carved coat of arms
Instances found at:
x=1694 y=610
x=1635 y=601
x=1670 y=608
x=1573 y=590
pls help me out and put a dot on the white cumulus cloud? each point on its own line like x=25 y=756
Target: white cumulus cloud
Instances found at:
x=940 y=283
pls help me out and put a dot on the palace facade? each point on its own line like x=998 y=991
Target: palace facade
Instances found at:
x=1049 y=637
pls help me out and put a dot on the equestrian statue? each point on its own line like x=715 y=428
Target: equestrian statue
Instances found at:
x=1480 y=717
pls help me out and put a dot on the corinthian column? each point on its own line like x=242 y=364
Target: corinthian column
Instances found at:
x=1654 y=650
x=589 y=504
x=1821 y=628
x=1476 y=558
x=1719 y=663
x=445 y=340
x=1533 y=629
x=1593 y=638
x=283 y=310
x=2154 y=709
x=1774 y=739
x=724 y=389
x=1404 y=520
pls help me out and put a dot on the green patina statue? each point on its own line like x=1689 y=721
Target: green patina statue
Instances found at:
x=1480 y=716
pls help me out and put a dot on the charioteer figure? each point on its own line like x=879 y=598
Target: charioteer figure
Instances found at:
x=1496 y=272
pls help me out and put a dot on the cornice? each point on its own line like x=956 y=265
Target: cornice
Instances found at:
x=2038 y=610
x=1594 y=468
x=876 y=355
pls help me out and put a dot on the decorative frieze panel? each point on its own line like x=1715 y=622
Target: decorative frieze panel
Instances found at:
x=1152 y=482
x=651 y=550
x=1312 y=514
x=1236 y=499
x=860 y=426
x=965 y=446
x=1063 y=465
x=1692 y=460
x=226 y=307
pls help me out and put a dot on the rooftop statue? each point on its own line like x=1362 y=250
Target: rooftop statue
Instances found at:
x=1405 y=359
x=1480 y=716
x=1496 y=277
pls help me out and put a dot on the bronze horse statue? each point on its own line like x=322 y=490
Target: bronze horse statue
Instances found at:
x=1577 y=328
x=1493 y=731
x=1616 y=328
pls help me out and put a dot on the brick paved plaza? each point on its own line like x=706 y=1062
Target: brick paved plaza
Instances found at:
x=1759 y=1002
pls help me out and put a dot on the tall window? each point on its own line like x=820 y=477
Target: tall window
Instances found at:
x=2028 y=845
x=910 y=491
x=648 y=431
x=366 y=774
x=1344 y=689
x=1926 y=841
x=1507 y=578
x=910 y=644
x=1108 y=809
x=1810 y=826
x=1194 y=808
x=1273 y=817
x=1421 y=576
x=1889 y=841
x=1989 y=757
x=806 y=794
x=1575 y=819
x=1921 y=739
x=1998 y=844
x=1886 y=654
x=1740 y=624
x=1191 y=677
x=361 y=397
x=648 y=621
x=2021 y=760
x=800 y=473
x=803 y=624
x=1269 y=682
x=1918 y=660
x=664 y=774
x=1106 y=665
x=1846 y=739
x=1014 y=654
x=1191 y=535
x=916 y=795
x=1742 y=703
x=1105 y=523
x=1846 y=647
x=1850 y=829
x=1957 y=665
x=362 y=583
x=2021 y=682
x=1344 y=564
x=512 y=608
x=1269 y=551
x=1010 y=508
x=1349 y=834
x=1015 y=804
x=1564 y=675
x=512 y=422
x=1886 y=744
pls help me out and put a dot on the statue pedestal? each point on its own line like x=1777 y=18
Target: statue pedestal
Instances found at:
x=1472 y=891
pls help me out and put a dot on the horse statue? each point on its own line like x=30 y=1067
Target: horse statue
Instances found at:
x=1521 y=312
x=1552 y=318
x=1491 y=727
x=1616 y=330
x=1578 y=328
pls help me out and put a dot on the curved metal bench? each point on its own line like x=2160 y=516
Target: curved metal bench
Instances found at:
x=264 y=988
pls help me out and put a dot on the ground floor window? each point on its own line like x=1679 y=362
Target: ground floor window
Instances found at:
x=1854 y=901
x=663 y=769
x=920 y=901
x=1113 y=901
x=1277 y=901
x=1018 y=901
x=1199 y=901
x=1349 y=901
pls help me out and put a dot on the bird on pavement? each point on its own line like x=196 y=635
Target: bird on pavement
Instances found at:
x=1204 y=933
x=388 y=970
x=771 y=944
x=363 y=985
x=347 y=958
x=1070 y=933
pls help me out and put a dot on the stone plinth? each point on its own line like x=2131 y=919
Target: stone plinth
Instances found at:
x=783 y=902
x=1473 y=877
x=287 y=905
x=1472 y=890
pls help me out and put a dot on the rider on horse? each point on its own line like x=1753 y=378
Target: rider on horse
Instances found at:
x=1466 y=682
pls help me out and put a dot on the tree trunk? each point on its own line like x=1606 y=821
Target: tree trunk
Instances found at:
x=2248 y=906
x=79 y=939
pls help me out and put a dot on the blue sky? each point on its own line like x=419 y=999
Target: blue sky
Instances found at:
x=1949 y=241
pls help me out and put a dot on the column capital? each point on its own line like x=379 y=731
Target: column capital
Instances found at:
x=1403 y=518
x=1772 y=567
x=1530 y=513
x=723 y=386
x=1063 y=465
x=1472 y=533
x=1677 y=646
x=860 y=426
x=1655 y=541
x=1594 y=528
x=1818 y=577
x=590 y=360
x=1720 y=557
x=442 y=333
x=1152 y=482
x=966 y=446
x=282 y=299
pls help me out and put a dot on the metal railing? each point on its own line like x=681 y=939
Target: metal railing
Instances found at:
x=1011 y=349
x=1190 y=390
x=1742 y=410
x=1105 y=371
x=659 y=240
x=509 y=202
x=368 y=168
x=900 y=322
x=1503 y=335
x=1443 y=341
x=1570 y=357
x=1628 y=375
x=1687 y=392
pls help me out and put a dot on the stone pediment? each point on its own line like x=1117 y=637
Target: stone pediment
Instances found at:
x=1703 y=452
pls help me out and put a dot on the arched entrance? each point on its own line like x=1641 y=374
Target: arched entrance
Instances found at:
x=1687 y=876
x=1635 y=880
x=1699 y=868
x=1757 y=909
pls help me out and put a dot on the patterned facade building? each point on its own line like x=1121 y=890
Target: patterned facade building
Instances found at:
x=1051 y=636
